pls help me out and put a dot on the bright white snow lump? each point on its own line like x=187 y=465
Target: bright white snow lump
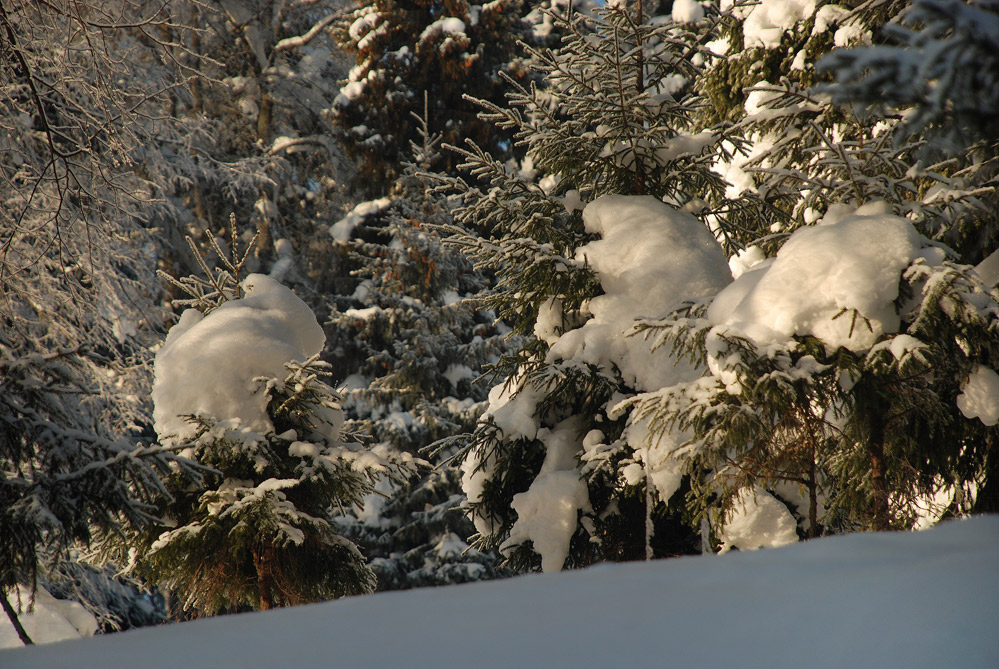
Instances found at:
x=208 y=363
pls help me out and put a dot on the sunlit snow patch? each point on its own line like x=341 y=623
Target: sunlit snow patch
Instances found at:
x=979 y=397
x=208 y=363
x=838 y=282
x=650 y=257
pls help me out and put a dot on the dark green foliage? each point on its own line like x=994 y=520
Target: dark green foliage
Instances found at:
x=411 y=350
x=806 y=154
x=411 y=53
x=934 y=67
x=940 y=61
x=617 y=114
x=258 y=532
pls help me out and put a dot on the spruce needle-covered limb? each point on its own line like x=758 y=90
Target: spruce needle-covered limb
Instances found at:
x=684 y=328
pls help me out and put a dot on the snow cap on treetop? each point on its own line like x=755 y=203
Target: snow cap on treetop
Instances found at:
x=208 y=363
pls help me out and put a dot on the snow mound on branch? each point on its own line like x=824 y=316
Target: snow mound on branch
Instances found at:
x=511 y=407
x=687 y=11
x=448 y=25
x=476 y=470
x=820 y=277
x=767 y=22
x=655 y=452
x=650 y=258
x=342 y=229
x=208 y=363
x=979 y=397
x=547 y=516
x=547 y=512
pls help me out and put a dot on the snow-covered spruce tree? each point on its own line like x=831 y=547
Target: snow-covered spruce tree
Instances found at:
x=553 y=476
x=805 y=155
x=410 y=350
x=849 y=376
x=238 y=386
x=938 y=72
x=949 y=97
x=406 y=49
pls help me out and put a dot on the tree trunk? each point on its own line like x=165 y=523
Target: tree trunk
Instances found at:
x=879 y=479
x=12 y=615
x=200 y=210
x=264 y=116
x=265 y=577
x=265 y=240
x=650 y=528
x=640 y=85
x=813 y=501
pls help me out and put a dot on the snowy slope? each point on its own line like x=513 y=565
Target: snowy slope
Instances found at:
x=928 y=599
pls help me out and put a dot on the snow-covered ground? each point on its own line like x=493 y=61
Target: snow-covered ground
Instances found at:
x=925 y=599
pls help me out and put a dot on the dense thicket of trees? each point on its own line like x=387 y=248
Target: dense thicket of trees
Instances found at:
x=810 y=347
x=768 y=436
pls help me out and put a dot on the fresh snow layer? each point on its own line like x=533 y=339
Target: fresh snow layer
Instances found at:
x=546 y=512
x=49 y=620
x=342 y=229
x=208 y=363
x=687 y=11
x=915 y=599
x=650 y=258
x=759 y=521
x=819 y=277
x=767 y=22
x=448 y=25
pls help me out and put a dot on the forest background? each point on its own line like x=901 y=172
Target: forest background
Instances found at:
x=490 y=390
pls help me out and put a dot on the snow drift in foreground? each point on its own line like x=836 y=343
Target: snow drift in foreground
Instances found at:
x=925 y=599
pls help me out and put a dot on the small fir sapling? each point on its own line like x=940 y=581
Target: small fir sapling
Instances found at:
x=239 y=387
